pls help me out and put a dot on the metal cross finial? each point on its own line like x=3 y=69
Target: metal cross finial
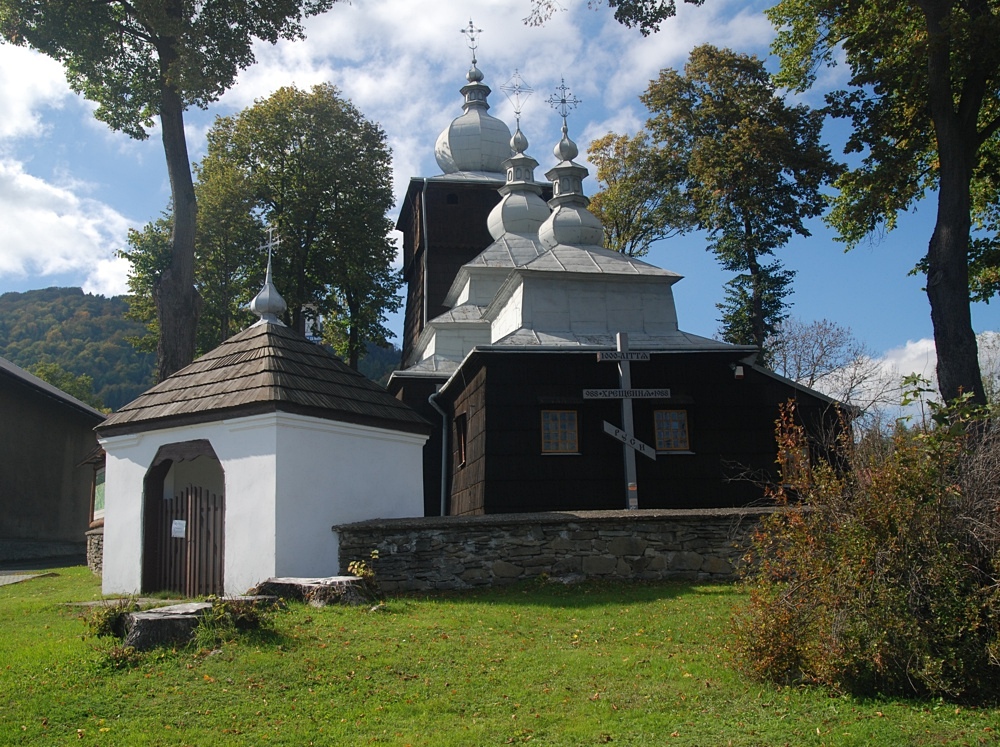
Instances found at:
x=517 y=92
x=565 y=102
x=271 y=242
x=471 y=32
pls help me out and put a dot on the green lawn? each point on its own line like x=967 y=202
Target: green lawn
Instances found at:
x=543 y=664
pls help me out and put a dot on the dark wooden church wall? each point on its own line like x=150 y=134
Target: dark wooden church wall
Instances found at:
x=413 y=275
x=520 y=477
x=457 y=214
x=731 y=430
x=469 y=476
x=415 y=393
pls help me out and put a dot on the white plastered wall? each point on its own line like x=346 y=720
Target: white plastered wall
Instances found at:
x=336 y=473
x=288 y=480
x=245 y=447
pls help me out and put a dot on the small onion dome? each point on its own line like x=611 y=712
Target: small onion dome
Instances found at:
x=572 y=225
x=570 y=222
x=565 y=149
x=519 y=143
x=474 y=141
x=521 y=208
x=268 y=304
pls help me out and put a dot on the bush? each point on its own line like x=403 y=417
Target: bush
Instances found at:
x=230 y=617
x=883 y=576
x=111 y=617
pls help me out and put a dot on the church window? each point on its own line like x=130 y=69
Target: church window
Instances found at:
x=795 y=464
x=559 y=432
x=671 y=430
x=98 y=494
x=461 y=438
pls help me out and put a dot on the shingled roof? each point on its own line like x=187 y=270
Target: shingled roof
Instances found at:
x=265 y=368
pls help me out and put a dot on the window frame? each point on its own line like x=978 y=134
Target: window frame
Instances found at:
x=575 y=432
x=461 y=438
x=686 y=448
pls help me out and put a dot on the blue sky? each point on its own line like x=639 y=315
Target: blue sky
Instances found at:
x=70 y=187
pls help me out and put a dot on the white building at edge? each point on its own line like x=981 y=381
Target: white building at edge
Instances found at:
x=234 y=469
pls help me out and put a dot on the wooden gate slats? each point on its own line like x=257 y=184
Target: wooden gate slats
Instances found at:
x=192 y=566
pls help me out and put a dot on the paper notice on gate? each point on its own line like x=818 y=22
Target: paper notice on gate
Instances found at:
x=178 y=529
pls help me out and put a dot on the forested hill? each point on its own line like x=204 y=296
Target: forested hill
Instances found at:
x=86 y=334
x=83 y=333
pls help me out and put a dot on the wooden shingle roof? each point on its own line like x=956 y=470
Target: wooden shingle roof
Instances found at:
x=265 y=368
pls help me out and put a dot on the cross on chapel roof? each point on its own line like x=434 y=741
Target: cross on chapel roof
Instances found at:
x=268 y=304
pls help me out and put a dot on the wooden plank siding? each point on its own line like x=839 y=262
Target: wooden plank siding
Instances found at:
x=468 y=476
x=730 y=427
x=457 y=214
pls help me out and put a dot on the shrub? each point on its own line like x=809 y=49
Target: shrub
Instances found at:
x=883 y=576
x=229 y=617
x=110 y=617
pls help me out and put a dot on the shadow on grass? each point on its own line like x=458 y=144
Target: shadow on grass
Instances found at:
x=585 y=594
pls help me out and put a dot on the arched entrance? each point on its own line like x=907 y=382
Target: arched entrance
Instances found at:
x=184 y=521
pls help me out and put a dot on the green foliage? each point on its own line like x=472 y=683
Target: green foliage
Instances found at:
x=123 y=55
x=922 y=102
x=368 y=587
x=230 y=617
x=636 y=204
x=379 y=361
x=155 y=58
x=883 y=578
x=110 y=617
x=646 y=15
x=320 y=174
x=309 y=165
x=229 y=270
x=82 y=334
x=81 y=387
x=751 y=168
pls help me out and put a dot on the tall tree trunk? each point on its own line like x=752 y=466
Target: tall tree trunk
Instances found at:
x=177 y=301
x=948 y=254
x=948 y=290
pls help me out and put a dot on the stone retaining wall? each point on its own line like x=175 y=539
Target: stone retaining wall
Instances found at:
x=95 y=550
x=464 y=552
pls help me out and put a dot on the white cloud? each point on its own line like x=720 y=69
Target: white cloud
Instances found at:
x=39 y=82
x=108 y=278
x=915 y=357
x=51 y=229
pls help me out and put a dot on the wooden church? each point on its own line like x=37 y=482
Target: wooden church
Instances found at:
x=513 y=311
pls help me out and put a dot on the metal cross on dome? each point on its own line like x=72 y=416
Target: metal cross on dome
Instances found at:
x=565 y=102
x=271 y=242
x=517 y=92
x=470 y=31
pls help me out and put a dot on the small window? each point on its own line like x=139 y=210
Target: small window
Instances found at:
x=99 y=493
x=461 y=435
x=671 y=430
x=559 y=432
x=795 y=464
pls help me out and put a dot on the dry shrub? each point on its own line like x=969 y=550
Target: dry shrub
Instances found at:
x=882 y=577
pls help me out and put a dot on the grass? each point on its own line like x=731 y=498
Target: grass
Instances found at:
x=542 y=664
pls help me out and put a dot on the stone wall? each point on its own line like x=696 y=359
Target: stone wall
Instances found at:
x=464 y=552
x=95 y=550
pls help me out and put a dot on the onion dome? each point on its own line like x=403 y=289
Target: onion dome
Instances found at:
x=475 y=141
x=268 y=304
x=521 y=208
x=570 y=222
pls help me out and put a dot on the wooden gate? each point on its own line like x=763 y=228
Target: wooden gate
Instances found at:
x=187 y=547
